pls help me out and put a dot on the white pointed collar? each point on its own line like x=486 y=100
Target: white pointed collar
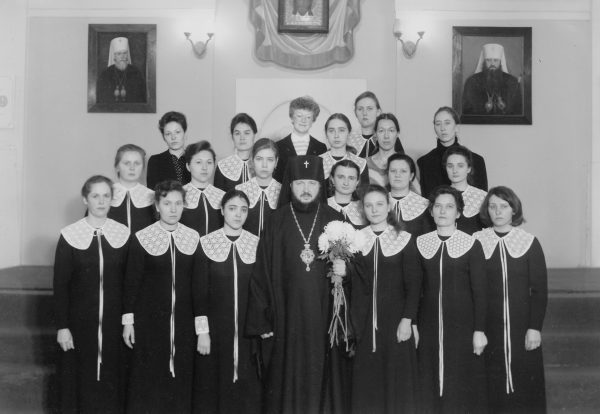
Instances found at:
x=473 y=198
x=216 y=246
x=155 y=240
x=329 y=162
x=193 y=194
x=353 y=211
x=390 y=241
x=140 y=195
x=253 y=190
x=457 y=245
x=411 y=206
x=357 y=141
x=517 y=241
x=80 y=234
x=231 y=167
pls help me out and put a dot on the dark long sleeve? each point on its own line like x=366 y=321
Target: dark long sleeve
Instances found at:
x=479 y=172
x=259 y=316
x=201 y=283
x=538 y=286
x=220 y=181
x=478 y=278
x=63 y=271
x=413 y=278
x=133 y=275
x=152 y=172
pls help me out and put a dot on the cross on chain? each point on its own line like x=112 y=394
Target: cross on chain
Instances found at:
x=305 y=164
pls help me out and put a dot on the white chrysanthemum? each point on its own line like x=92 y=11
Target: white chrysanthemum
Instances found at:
x=335 y=230
x=357 y=242
x=323 y=243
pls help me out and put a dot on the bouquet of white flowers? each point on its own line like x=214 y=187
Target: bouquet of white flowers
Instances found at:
x=339 y=241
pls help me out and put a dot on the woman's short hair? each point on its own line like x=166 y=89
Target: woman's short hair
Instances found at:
x=446 y=189
x=342 y=118
x=95 y=179
x=197 y=147
x=130 y=148
x=172 y=116
x=243 y=118
x=402 y=157
x=264 y=143
x=367 y=94
x=163 y=188
x=451 y=111
x=389 y=116
x=306 y=103
x=467 y=155
x=391 y=217
x=507 y=195
x=233 y=193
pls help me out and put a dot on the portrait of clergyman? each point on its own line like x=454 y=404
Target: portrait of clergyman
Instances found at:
x=308 y=16
x=122 y=68
x=492 y=75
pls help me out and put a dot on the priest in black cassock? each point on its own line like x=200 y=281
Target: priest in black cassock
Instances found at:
x=289 y=293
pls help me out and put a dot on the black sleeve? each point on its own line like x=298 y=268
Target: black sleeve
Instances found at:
x=413 y=278
x=201 y=283
x=63 y=271
x=134 y=275
x=398 y=146
x=480 y=173
x=219 y=180
x=152 y=172
x=538 y=286
x=478 y=279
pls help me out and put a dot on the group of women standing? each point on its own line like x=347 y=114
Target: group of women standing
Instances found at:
x=448 y=294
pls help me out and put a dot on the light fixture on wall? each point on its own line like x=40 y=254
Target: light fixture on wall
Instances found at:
x=409 y=48
x=199 y=47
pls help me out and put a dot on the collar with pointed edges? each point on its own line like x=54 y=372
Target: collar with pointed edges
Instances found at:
x=411 y=206
x=390 y=241
x=517 y=241
x=357 y=141
x=352 y=211
x=140 y=195
x=329 y=162
x=80 y=234
x=193 y=194
x=457 y=245
x=473 y=198
x=231 y=167
x=253 y=190
x=155 y=240
x=216 y=246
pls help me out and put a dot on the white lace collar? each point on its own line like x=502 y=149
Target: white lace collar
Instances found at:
x=390 y=241
x=80 y=234
x=357 y=141
x=411 y=206
x=517 y=241
x=216 y=246
x=457 y=245
x=329 y=162
x=193 y=194
x=253 y=190
x=473 y=198
x=352 y=211
x=155 y=240
x=140 y=195
x=231 y=167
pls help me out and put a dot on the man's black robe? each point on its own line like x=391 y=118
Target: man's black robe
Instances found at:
x=131 y=80
x=286 y=150
x=505 y=99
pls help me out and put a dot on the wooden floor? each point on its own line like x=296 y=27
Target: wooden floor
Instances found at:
x=571 y=341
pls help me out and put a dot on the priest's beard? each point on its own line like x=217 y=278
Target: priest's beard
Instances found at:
x=301 y=207
x=493 y=79
x=121 y=64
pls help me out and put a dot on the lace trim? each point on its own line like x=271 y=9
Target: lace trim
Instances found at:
x=155 y=240
x=216 y=246
x=357 y=141
x=458 y=244
x=253 y=191
x=473 y=198
x=352 y=211
x=140 y=195
x=329 y=162
x=517 y=241
x=80 y=234
x=193 y=194
x=232 y=166
x=391 y=242
x=411 y=206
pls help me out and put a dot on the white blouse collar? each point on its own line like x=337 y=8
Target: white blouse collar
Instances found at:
x=193 y=194
x=473 y=198
x=253 y=190
x=357 y=141
x=329 y=162
x=80 y=234
x=517 y=241
x=216 y=246
x=411 y=206
x=391 y=242
x=457 y=245
x=352 y=211
x=140 y=195
x=155 y=240
x=231 y=167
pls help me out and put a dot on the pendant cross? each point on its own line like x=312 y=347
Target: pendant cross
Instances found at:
x=305 y=164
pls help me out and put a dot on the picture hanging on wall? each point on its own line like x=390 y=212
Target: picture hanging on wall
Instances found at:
x=122 y=68
x=303 y=16
x=491 y=74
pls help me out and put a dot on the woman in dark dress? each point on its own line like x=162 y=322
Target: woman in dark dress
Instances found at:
x=409 y=208
x=262 y=189
x=452 y=313
x=387 y=130
x=89 y=266
x=169 y=165
x=227 y=362
x=158 y=317
x=133 y=202
x=366 y=109
x=458 y=161
x=202 y=210
x=517 y=298
x=385 y=299
x=237 y=168
x=344 y=181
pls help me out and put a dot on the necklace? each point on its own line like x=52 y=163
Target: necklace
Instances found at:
x=306 y=255
x=120 y=92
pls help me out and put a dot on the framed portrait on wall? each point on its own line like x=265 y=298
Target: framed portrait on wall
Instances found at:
x=122 y=68
x=491 y=74
x=303 y=16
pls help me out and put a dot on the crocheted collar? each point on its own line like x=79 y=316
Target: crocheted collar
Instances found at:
x=253 y=190
x=390 y=241
x=193 y=194
x=80 y=234
x=457 y=245
x=155 y=240
x=216 y=246
x=517 y=241
x=140 y=195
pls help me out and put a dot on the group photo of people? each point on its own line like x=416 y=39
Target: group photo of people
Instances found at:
x=196 y=282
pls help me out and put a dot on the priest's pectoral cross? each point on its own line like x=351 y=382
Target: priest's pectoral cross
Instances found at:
x=307 y=256
x=306 y=164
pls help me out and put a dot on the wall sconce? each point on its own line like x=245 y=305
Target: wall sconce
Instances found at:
x=199 y=47
x=408 y=48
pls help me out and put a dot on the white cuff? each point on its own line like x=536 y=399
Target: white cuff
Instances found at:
x=127 y=319
x=201 y=323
